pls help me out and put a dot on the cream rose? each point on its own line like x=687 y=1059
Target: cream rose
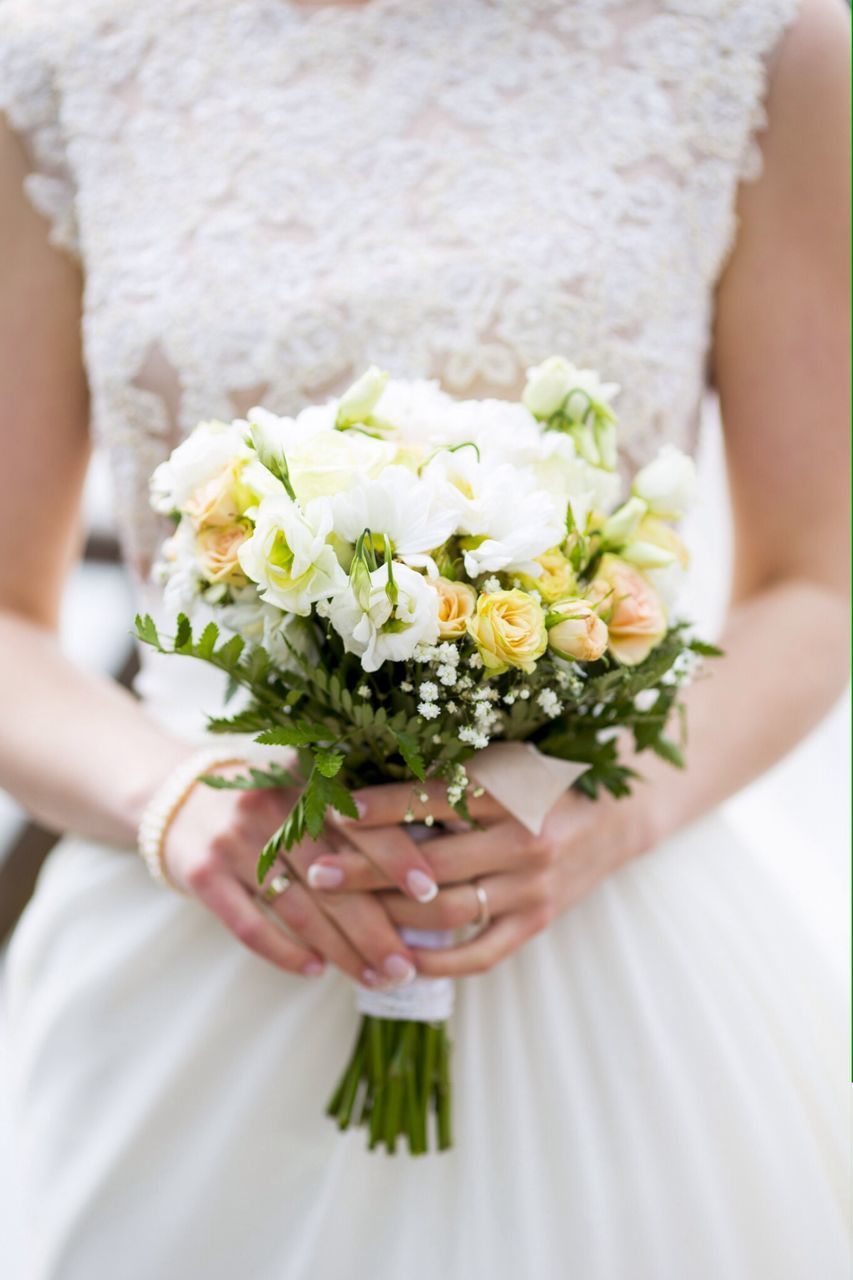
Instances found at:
x=576 y=631
x=217 y=549
x=508 y=629
x=456 y=601
x=222 y=499
x=635 y=615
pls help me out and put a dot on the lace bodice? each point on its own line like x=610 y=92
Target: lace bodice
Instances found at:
x=266 y=196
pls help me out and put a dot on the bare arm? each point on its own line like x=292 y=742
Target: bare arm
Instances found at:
x=46 y=701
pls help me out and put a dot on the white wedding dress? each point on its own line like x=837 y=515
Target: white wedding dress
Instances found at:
x=264 y=198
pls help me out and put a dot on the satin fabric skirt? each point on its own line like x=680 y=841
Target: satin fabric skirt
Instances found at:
x=653 y=1089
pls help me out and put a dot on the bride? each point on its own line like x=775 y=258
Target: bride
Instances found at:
x=205 y=204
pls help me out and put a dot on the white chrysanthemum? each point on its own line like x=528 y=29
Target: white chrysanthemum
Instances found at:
x=288 y=555
x=378 y=630
x=204 y=453
x=500 y=505
x=416 y=515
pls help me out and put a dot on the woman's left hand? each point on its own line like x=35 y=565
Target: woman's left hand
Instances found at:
x=528 y=879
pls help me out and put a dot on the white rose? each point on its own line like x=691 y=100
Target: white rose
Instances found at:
x=667 y=484
x=337 y=460
x=414 y=513
x=358 y=401
x=209 y=448
x=288 y=555
x=375 y=628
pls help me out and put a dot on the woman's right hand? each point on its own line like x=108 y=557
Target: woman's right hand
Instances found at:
x=210 y=852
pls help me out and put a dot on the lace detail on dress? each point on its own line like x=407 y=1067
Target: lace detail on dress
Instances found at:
x=271 y=196
x=29 y=98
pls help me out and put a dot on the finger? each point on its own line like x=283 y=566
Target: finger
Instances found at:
x=396 y=856
x=483 y=953
x=388 y=805
x=459 y=906
x=363 y=920
x=239 y=912
x=297 y=910
x=452 y=859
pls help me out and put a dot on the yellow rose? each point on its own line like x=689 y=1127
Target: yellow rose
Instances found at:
x=636 y=618
x=577 y=631
x=557 y=579
x=223 y=499
x=508 y=629
x=456 y=602
x=217 y=547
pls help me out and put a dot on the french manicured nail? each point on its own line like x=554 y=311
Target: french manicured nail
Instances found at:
x=322 y=877
x=399 y=970
x=313 y=969
x=371 y=978
x=421 y=886
x=343 y=819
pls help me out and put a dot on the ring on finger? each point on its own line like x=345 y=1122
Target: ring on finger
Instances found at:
x=276 y=887
x=484 y=915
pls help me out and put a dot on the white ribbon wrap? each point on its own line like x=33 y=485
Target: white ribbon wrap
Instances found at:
x=528 y=785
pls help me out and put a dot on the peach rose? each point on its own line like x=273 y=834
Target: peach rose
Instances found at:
x=456 y=602
x=576 y=631
x=217 y=548
x=222 y=500
x=635 y=615
x=509 y=630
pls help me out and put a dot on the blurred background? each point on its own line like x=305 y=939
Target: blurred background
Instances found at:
x=797 y=816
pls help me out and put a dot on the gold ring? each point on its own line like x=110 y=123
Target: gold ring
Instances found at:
x=484 y=915
x=276 y=887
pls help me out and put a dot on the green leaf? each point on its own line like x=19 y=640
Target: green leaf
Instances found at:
x=228 y=654
x=272 y=849
x=337 y=796
x=273 y=777
x=206 y=642
x=299 y=734
x=146 y=630
x=408 y=748
x=706 y=650
x=667 y=750
x=184 y=633
x=328 y=762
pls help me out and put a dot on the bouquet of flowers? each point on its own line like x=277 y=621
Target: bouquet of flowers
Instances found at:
x=406 y=586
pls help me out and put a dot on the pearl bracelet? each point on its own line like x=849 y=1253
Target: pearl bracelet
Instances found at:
x=166 y=802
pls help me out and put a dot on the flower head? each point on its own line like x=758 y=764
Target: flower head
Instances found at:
x=508 y=629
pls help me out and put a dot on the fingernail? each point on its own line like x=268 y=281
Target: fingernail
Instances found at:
x=343 y=819
x=313 y=969
x=421 y=886
x=322 y=877
x=399 y=970
x=371 y=978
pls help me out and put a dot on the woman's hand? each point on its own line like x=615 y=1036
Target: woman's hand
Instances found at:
x=211 y=850
x=528 y=880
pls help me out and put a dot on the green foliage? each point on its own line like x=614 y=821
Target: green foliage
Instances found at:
x=349 y=729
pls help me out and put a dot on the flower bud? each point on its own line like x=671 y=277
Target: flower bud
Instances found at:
x=358 y=401
x=575 y=631
x=667 y=484
x=546 y=388
x=617 y=529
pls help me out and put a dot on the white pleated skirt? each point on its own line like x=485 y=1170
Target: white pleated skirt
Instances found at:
x=654 y=1089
